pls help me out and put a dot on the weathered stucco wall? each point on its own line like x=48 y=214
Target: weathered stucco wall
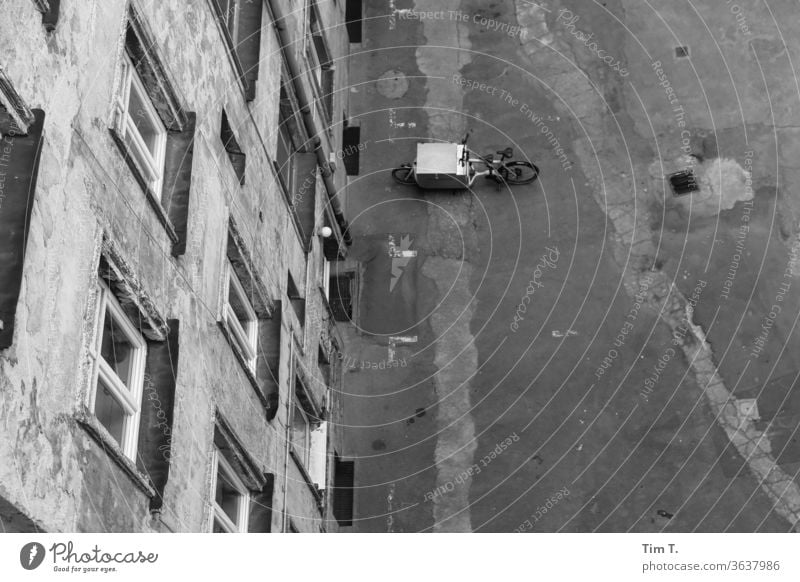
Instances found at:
x=50 y=468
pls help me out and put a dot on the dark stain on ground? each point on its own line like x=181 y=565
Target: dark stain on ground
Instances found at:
x=420 y=412
x=378 y=445
x=410 y=420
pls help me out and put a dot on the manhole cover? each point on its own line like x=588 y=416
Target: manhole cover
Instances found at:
x=392 y=84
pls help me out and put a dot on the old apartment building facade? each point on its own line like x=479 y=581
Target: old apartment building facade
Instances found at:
x=170 y=215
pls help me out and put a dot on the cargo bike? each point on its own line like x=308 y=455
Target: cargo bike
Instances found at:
x=452 y=166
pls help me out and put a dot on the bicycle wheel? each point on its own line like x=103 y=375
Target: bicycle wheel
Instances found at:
x=520 y=172
x=404 y=175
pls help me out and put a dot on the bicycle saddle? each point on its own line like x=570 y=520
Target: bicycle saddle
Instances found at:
x=506 y=153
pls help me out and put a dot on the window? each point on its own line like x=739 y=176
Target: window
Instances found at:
x=241 y=493
x=153 y=130
x=120 y=358
x=240 y=21
x=250 y=321
x=319 y=62
x=241 y=318
x=231 y=498
x=341 y=299
x=285 y=146
x=301 y=434
x=128 y=393
x=21 y=143
x=141 y=128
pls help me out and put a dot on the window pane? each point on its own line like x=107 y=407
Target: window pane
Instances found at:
x=142 y=119
x=227 y=496
x=237 y=302
x=109 y=412
x=117 y=350
x=218 y=528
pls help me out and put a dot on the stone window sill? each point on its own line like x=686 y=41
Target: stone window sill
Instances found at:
x=307 y=478
x=152 y=199
x=97 y=431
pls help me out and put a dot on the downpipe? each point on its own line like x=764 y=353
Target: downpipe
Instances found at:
x=306 y=104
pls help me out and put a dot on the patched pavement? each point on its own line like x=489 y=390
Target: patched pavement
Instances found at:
x=493 y=426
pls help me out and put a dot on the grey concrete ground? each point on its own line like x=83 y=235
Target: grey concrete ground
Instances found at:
x=538 y=387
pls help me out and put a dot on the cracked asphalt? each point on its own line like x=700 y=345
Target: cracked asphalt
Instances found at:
x=587 y=415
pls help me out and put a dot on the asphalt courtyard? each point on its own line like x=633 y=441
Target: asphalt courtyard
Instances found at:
x=501 y=377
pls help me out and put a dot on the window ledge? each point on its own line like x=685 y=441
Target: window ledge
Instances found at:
x=251 y=377
x=315 y=491
x=154 y=202
x=98 y=432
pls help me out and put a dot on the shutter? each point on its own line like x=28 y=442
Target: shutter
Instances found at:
x=178 y=181
x=328 y=78
x=351 y=139
x=249 y=44
x=269 y=358
x=260 y=518
x=304 y=197
x=19 y=166
x=158 y=399
x=352 y=15
x=344 y=480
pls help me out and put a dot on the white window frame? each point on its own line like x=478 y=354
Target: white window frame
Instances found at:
x=305 y=454
x=326 y=277
x=129 y=397
x=285 y=138
x=233 y=31
x=150 y=163
x=246 y=338
x=313 y=62
x=221 y=464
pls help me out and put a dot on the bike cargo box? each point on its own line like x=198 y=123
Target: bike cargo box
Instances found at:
x=439 y=166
